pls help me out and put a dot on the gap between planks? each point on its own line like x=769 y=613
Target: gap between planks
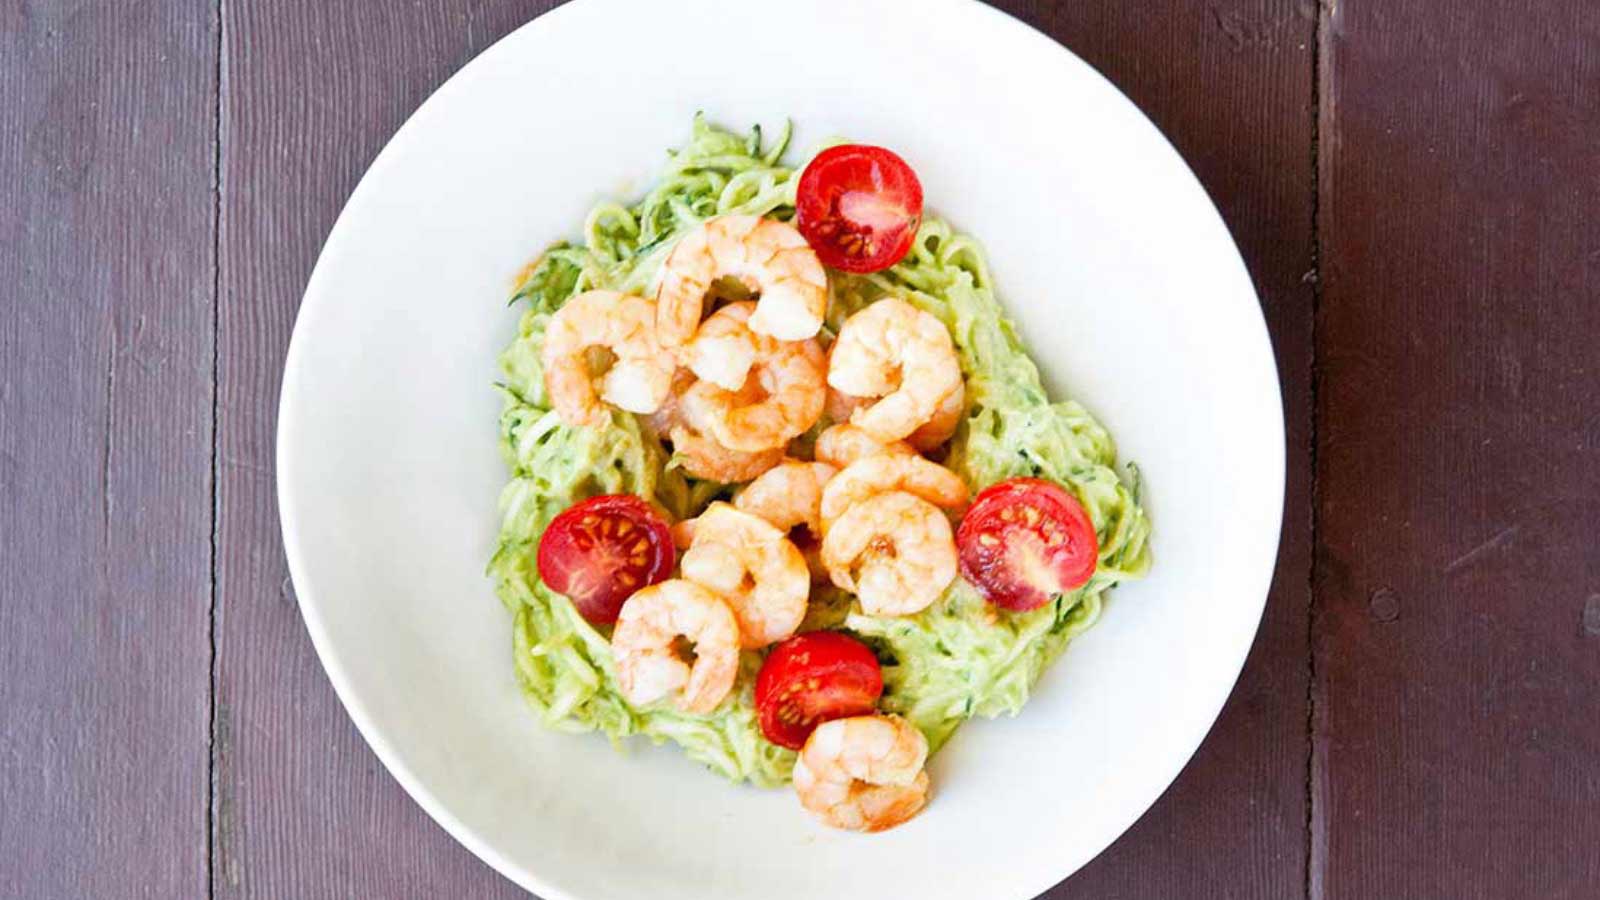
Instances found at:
x=1316 y=838
x=212 y=797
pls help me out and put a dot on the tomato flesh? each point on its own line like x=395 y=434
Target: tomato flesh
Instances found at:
x=859 y=207
x=1024 y=541
x=812 y=678
x=600 y=551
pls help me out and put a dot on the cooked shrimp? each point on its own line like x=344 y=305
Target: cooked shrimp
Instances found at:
x=841 y=406
x=841 y=445
x=900 y=355
x=685 y=426
x=724 y=349
x=946 y=419
x=703 y=457
x=895 y=552
x=863 y=773
x=927 y=438
x=754 y=567
x=645 y=647
x=669 y=414
x=768 y=257
x=789 y=496
x=873 y=475
x=683 y=534
x=787 y=376
x=637 y=381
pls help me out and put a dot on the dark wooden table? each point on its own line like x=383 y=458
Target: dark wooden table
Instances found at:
x=1415 y=186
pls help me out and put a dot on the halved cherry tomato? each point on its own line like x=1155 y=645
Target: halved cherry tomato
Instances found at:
x=1025 y=540
x=812 y=678
x=858 y=207
x=600 y=551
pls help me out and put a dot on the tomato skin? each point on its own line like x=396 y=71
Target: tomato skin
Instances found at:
x=811 y=678
x=598 y=552
x=1025 y=540
x=859 y=207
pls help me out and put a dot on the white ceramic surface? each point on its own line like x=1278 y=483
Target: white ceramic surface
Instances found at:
x=1105 y=249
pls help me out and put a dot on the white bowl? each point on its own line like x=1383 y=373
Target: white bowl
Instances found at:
x=1105 y=249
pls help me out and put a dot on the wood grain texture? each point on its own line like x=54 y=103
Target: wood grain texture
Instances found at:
x=1230 y=83
x=1457 y=677
x=1453 y=659
x=311 y=92
x=106 y=258
x=279 y=793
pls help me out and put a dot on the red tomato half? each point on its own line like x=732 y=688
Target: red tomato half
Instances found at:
x=858 y=207
x=811 y=678
x=1025 y=540
x=600 y=551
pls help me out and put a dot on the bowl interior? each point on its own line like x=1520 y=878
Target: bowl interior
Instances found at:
x=1114 y=264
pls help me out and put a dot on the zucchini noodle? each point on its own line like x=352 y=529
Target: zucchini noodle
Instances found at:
x=959 y=658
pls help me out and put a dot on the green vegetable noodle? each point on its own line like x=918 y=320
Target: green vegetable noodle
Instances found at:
x=957 y=659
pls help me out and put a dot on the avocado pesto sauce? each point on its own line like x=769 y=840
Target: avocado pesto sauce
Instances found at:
x=957 y=659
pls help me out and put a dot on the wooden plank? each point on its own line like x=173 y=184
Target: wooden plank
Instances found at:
x=1200 y=75
x=1457 y=648
x=311 y=92
x=1230 y=83
x=107 y=142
